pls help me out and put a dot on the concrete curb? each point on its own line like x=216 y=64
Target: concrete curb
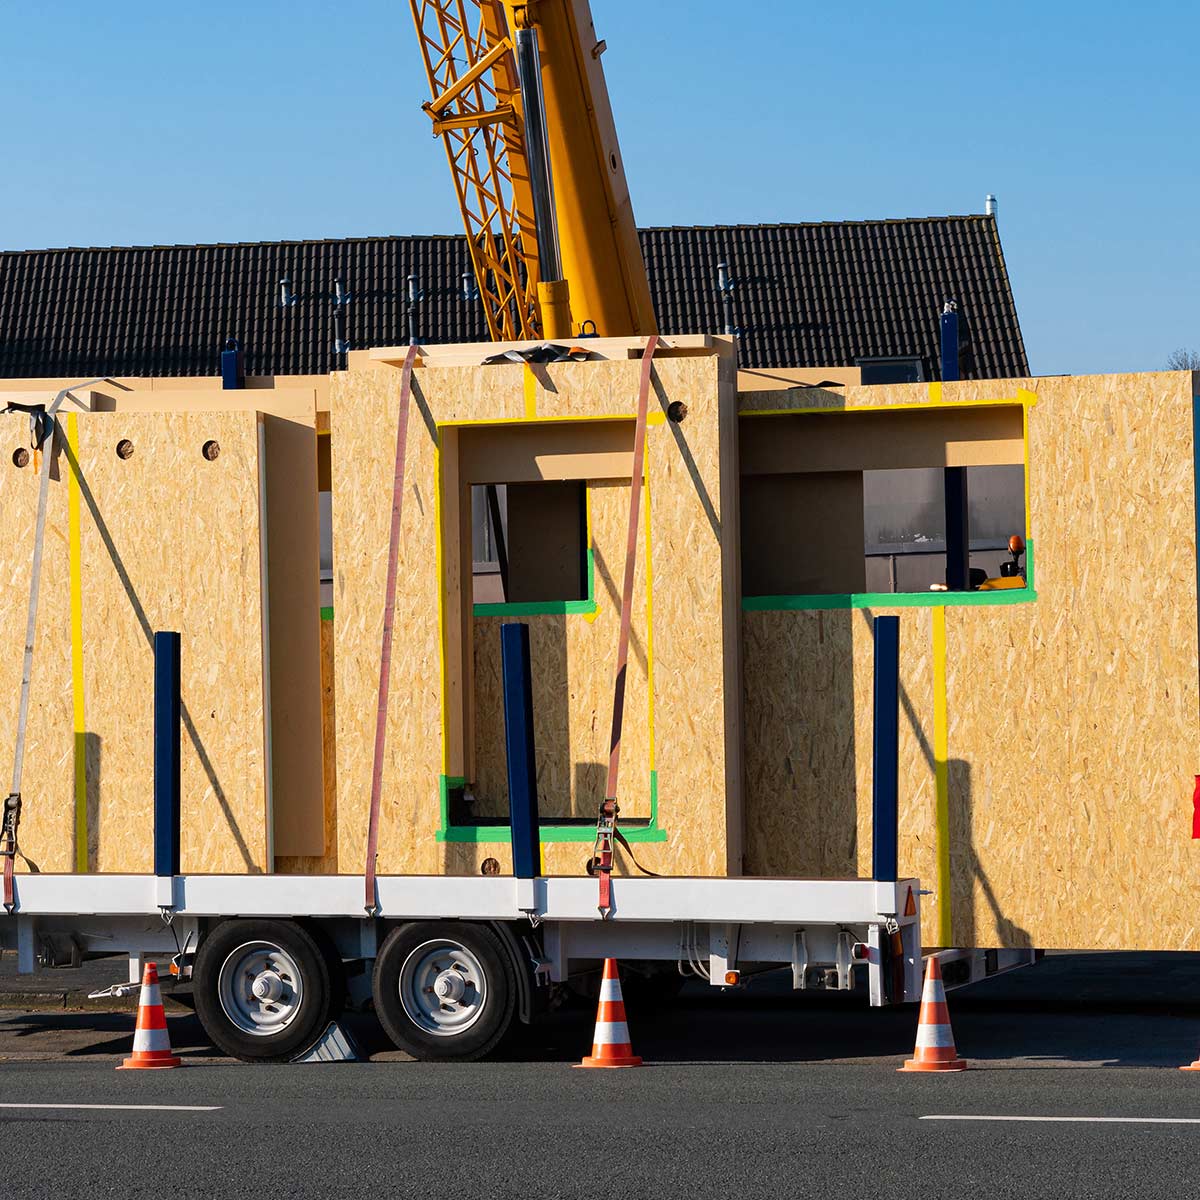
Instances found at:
x=74 y=1000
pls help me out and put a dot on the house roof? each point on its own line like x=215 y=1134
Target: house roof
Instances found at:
x=823 y=294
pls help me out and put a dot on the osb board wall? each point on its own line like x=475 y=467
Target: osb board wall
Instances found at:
x=808 y=697
x=326 y=863
x=289 y=417
x=167 y=540
x=697 y=747
x=47 y=832
x=1072 y=721
x=573 y=657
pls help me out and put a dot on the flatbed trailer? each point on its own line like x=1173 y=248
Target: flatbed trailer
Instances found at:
x=453 y=963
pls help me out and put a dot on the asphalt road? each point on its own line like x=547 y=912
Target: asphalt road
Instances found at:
x=752 y=1093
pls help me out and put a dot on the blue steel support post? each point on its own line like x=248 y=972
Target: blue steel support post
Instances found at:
x=958 y=545
x=518 y=740
x=167 y=725
x=233 y=374
x=885 y=823
x=950 y=343
x=958 y=529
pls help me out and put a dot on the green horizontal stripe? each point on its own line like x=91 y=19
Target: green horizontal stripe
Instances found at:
x=532 y=608
x=327 y=613
x=581 y=834
x=886 y=600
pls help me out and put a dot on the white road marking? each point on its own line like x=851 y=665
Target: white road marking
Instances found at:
x=1092 y=1120
x=127 y=1107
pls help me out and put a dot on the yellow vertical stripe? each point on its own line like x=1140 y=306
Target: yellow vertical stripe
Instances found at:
x=941 y=755
x=649 y=608
x=935 y=392
x=76 y=604
x=440 y=558
x=1025 y=439
x=530 y=393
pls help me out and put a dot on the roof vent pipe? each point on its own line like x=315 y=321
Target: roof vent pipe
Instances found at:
x=415 y=294
x=341 y=298
x=725 y=285
x=989 y=205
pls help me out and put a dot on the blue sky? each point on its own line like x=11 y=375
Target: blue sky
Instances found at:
x=139 y=123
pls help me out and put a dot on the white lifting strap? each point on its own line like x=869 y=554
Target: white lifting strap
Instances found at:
x=45 y=428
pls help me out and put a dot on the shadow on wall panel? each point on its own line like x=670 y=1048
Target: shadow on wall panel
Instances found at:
x=967 y=875
x=801 y=787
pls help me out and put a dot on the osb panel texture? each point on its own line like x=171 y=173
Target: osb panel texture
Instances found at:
x=573 y=656
x=167 y=541
x=172 y=541
x=47 y=833
x=1072 y=721
x=326 y=864
x=808 y=706
x=684 y=472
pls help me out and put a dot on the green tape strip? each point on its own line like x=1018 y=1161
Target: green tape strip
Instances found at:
x=843 y=600
x=582 y=834
x=327 y=613
x=534 y=608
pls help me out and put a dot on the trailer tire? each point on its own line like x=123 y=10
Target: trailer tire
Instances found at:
x=262 y=989
x=444 y=990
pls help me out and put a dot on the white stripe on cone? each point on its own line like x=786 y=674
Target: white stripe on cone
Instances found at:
x=610 y=990
x=930 y=1037
x=611 y=1033
x=934 y=991
x=150 y=996
x=150 y=1039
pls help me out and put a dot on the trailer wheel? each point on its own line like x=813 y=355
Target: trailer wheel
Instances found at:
x=444 y=990
x=262 y=989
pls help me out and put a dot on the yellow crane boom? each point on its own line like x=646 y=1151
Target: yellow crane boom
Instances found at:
x=519 y=98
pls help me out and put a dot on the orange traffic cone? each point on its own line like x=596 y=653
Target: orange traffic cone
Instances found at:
x=610 y=1046
x=151 y=1045
x=935 y=1039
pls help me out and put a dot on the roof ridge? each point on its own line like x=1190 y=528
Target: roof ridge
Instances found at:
x=411 y=237
x=822 y=224
x=328 y=241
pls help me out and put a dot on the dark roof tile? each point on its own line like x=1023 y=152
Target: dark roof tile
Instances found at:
x=820 y=294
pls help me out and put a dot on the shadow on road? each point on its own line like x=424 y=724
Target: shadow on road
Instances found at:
x=1081 y=1010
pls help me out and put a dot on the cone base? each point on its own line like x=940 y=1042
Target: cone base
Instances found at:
x=1192 y=1066
x=621 y=1060
x=155 y=1064
x=953 y=1064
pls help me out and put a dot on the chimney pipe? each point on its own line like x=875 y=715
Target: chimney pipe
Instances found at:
x=989 y=205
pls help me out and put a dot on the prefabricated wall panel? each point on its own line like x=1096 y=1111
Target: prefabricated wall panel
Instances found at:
x=572 y=656
x=1064 y=728
x=444 y=731
x=164 y=537
x=290 y=521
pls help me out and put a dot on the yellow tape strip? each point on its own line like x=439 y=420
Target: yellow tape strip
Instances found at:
x=530 y=394
x=76 y=603
x=440 y=558
x=935 y=392
x=649 y=610
x=941 y=757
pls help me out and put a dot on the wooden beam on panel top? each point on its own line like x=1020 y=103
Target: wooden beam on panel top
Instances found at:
x=472 y=354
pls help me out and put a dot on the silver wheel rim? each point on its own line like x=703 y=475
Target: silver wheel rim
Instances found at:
x=443 y=988
x=260 y=988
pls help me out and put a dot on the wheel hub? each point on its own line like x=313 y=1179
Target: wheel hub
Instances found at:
x=267 y=986
x=451 y=986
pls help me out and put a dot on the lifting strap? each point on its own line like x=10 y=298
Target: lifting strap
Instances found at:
x=371 y=903
x=607 y=833
x=44 y=427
